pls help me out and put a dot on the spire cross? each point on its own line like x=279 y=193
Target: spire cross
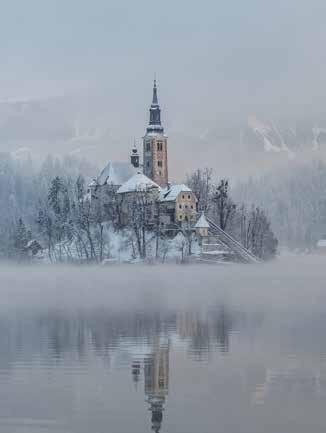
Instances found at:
x=155 y=98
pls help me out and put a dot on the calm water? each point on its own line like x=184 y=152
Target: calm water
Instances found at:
x=164 y=349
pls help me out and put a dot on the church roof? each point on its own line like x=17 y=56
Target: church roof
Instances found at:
x=116 y=173
x=155 y=125
x=171 y=192
x=138 y=182
x=202 y=223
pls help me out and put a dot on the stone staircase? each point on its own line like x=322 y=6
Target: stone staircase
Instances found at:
x=213 y=250
x=219 y=246
x=242 y=254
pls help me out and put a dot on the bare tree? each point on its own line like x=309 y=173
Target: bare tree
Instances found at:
x=253 y=229
x=200 y=182
x=84 y=218
x=140 y=208
x=224 y=207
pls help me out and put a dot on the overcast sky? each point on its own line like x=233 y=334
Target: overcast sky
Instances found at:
x=215 y=60
x=249 y=52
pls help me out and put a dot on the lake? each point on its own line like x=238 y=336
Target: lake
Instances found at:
x=175 y=349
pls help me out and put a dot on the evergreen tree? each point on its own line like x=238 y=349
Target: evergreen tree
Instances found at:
x=21 y=238
x=54 y=195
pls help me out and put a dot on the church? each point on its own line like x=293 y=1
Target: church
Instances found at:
x=124 y=181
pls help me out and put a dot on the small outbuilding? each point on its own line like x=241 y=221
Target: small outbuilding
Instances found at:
x=202 y=226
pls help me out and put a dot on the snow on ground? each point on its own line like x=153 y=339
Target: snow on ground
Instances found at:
x=121 y=247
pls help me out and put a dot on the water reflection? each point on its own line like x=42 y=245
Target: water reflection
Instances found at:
x=253 y=361
x=56 y=334
x=156 y=380
x=205 y=331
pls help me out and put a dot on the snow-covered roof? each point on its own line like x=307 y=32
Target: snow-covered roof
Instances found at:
x=321 y=243
x=171 y=192
x=138 y=182
x=202 y=222
x=116 y=173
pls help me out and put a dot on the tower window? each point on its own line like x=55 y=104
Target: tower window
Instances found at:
x=160 y=146
x=189 y=197
x=147 y=164
x=159 y=164
x=148 y=146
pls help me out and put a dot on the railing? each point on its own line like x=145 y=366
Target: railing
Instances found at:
x=244 y=254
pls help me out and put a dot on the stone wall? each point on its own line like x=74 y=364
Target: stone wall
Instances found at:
x=156 y=158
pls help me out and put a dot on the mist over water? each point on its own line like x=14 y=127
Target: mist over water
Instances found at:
x=164 y=348
x=287 y=282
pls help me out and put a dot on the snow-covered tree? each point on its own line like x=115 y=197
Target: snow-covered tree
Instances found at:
x=224 y=207
x=21 y=238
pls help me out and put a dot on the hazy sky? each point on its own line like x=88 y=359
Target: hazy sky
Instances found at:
x=216 y=62
x=243 y=52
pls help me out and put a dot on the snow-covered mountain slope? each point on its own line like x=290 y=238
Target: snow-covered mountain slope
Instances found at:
x=96 y=129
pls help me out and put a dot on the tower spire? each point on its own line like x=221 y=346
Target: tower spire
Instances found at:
x=155 y=113
x=155 y=98
x=155 y=155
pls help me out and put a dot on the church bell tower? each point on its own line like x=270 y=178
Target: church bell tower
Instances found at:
x=155 y=150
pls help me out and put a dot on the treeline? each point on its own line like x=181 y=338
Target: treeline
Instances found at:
x=294 y=200
x=24 y=189
x=248 y=224
x=49 y=205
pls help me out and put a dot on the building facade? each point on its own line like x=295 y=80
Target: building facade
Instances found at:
x=178 y=204
x=144 y=183
x=138 y=198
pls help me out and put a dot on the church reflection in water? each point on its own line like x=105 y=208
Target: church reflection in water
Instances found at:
x=142 y=342
x=57 y=336
x=155 y=366
x=107 y=360
x=156 y=381
x=200 y=334
x=153 y=346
